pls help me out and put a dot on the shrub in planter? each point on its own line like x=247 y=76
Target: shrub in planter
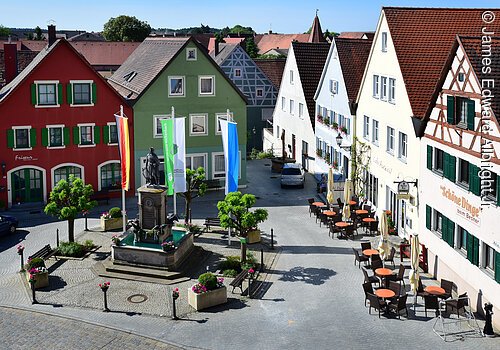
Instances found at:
x=115 y=213
x=209 y=280
x=230 y=273
x=209 y=291
x=88 y=244
x=34 y=263
x=73 y=249
x=231 y=263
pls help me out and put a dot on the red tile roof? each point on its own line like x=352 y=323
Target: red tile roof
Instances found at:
x=266 y=42
x=316 y=35
x=356 y=35
x=105 y=53
x=353 y=55
x=211 y=42
x=273 y=69
x=423 y=38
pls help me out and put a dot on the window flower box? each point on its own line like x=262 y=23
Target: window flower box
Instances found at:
x=201 y=301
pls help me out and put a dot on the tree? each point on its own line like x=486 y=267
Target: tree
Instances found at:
x=238 y=29
x=69 y=198
x=195 y=187
x=4 y=31
x=38 y=33
x=234 y=213
x=251 y=48
x=126 y=28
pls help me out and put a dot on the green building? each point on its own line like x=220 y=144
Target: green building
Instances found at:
x=177 y=72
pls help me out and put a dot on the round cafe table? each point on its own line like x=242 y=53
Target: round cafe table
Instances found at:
x=329 y=212
x=319 y=204
x=342 y=224
x=435 y=290
x=384 y=293
x=353 y=202
x=361 y=211
x=383 y=273
x=369 y=220
x=370 y=252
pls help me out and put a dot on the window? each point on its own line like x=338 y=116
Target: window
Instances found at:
x=198 y=124
x=334 y=86
x=403 y=145
x=376 y=83
x=463 y=172
x=47 y=94
x=86 y=135
x=371 y=188
x=237 y=72
x=291 y=76
x=218 y=166
x=113 y=133
x=110 y=175
x=462 y=239
x=206 y=85
x=56 y=136
x=194 y=161
x=157 y=124
x=64 y=172
x=301 y=110
x=461 y=114
x=22 y=137
x=283 y=103
x=390 y=140
x=292 y=107
x=219 y=116
x=392 y=90
x=438 y=160
x=80 y=92
x=175 y=86
x=191 y=54
x=461 y=77
x=438 y=221
x=259 y=92
x=383 y=88
x=489 y=257
x=375 y=131
x=366 y=126
x=384 y=41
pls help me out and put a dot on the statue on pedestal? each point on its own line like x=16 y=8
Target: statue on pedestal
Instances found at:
x=152 y=169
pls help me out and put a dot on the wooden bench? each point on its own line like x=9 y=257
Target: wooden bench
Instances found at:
x=44 y=253
x=238 y=280
x=211 y=222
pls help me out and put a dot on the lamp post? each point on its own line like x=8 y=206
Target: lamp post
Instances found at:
x=20 y=251
x=32 y=281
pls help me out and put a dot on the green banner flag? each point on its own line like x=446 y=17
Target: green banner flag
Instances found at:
x=167 y=130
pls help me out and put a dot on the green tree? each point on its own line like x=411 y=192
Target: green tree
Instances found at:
x=69 y=198
x=4 y=31
x=234 y=212
x=250 y=47
x=126 y=28
x=38 y=33
x=238 y=29
x=195 y=187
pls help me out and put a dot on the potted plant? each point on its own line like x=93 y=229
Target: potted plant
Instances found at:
x=35 y=268
x=327 y=158
x=168 y=246
x=343 y=129
x=208 y=292
x=320 y=118
x=335 y=126
x=335 y=164
x=112 y=220
x=319 y=152
x=326 y=121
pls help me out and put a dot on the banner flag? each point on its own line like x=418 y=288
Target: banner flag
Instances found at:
x=231 y=154
x=124 y=149
x=167 y=130
x=180 y=155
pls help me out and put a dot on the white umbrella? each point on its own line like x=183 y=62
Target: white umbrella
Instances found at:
x=383 y=245
x=347 y=198
x=414 y=259
x=329 y=196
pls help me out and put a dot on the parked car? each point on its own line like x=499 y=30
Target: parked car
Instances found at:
x=8 y=224
x=292 y=175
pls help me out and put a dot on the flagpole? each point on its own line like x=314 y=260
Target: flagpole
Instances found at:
x=124 y=212
x=228 y=117
x=175 y=195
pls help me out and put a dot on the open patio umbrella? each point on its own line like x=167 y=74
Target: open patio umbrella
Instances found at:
x=329 y=195
x=414 y=259
x=383 y=245
x=346 y=212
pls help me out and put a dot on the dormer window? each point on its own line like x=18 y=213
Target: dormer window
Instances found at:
x=128 y=77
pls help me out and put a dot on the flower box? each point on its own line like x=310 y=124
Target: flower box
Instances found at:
x=41 y=279
x=112 y=224
x=208 y=299
x=253 y=237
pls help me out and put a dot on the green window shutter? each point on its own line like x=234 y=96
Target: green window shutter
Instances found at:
x=429 y=157
x=105 y=134
x=444 y=228
x=446 y=165
x=452 y=162
x=474 y=181
x=497 y=267
x=97 y=135
x=451 y=233
x=498 y=190
x=32 y=137
x=10 y=138
x=471 y=114
x=33 y=94
x=475 y=249
x=450 y=110
x=428 y=217
x=76 y=135
x=66 y=136
x=94 y=93
x=69 y=93
x=45 y=137
x=60 y=94
x=470 y=246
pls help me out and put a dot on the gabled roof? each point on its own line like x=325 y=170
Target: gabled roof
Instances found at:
x=310 y=59
x=423 y=38
x=273 y=69
x=357 y=35
x=316 y=35
x=105 y=53
x=266 y=42
x=353 y=55
x=211 y=43
x=224 y=51
x=87 y=37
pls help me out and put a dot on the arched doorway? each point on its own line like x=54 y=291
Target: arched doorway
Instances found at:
x=27 y=185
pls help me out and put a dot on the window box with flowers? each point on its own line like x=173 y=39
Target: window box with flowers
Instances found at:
x=335 y=165
x=335 y=126
x=343 y=130
x=327 y=158
x=36 y=268
x=319 y=117
x=208 y=292
x=319 y=152
x=112 y=220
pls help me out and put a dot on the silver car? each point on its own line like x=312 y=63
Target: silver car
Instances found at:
x=292 y=175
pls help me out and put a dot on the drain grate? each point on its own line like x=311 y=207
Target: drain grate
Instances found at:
x=137 y=298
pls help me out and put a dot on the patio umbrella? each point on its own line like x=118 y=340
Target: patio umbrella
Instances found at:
x=347 y=198
x=383 y=245
x=414 y=259
x=329 y=196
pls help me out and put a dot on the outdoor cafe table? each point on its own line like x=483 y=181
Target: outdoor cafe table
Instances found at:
x=353 y=202
x=342 y=224
x=370 y=252
x=329 y=212
x=319 y=204
x=369 y=220
x=384 y=293
x=383 y=273
x=361 y=211
x=435 y=290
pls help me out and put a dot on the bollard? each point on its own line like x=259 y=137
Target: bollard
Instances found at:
x=57 y=238
x=32 y=283
x=86 y=227
x=104 y=287
x=190 y=218
x=175 y=295
x=272 y=239
x=20 y=251
x=261 y=260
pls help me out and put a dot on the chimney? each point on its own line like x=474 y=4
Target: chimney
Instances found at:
x=52 y=34
x=216 y=48
x=10 y=58
x=270 y=31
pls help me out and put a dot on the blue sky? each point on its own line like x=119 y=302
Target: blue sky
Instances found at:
x=283 y=16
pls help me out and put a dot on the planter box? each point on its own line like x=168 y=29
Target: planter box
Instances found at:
x=41 y=279
x=205 y=300
x=253 y=237
x=112 y=224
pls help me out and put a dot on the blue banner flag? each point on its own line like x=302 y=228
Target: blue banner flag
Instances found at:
x=231 y=154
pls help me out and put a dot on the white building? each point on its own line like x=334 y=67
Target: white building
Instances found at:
x=460 y=146
x=335 y=103
x=409 y=50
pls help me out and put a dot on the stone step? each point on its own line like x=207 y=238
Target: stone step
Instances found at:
x=127 y=269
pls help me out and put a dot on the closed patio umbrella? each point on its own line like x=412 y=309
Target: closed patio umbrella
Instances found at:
x=414 y=259
x=347 y=197
x=383 y=245
x=329 y=196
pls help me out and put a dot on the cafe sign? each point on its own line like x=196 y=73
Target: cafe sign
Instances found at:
x=464 y=208
x=19 y=158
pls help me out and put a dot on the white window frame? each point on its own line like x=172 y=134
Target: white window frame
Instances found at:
x=376 y=86
x=47 y=82
x=205 y=157
x=29 y=138
x=366 y=127
x=73 y=104
x=55 y=126
x=191 y=49
x=205 y=129
x=292 y=107
x=99 y=171
x=392 y=90
x=53 y=170
x=390 y=137
x=261 y=90
x=202 y=77
x=223 y=116
x=283 y=103
x=291 y=76
x=235 y=73
x=301 y=110
x=375 y=130
x=489 y=252
x=110 y=124
x=383 y=88
x=80 y=134
x=156 y=119
x=384 y=41
x=403 y=146
x=214 y=154
x=176 y=94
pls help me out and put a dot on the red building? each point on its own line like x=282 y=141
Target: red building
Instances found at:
x=57 y=119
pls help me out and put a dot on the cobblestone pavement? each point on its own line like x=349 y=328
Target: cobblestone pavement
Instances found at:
x=20 y=329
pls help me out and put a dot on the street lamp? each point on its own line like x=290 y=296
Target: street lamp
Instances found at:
x=338 y=139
